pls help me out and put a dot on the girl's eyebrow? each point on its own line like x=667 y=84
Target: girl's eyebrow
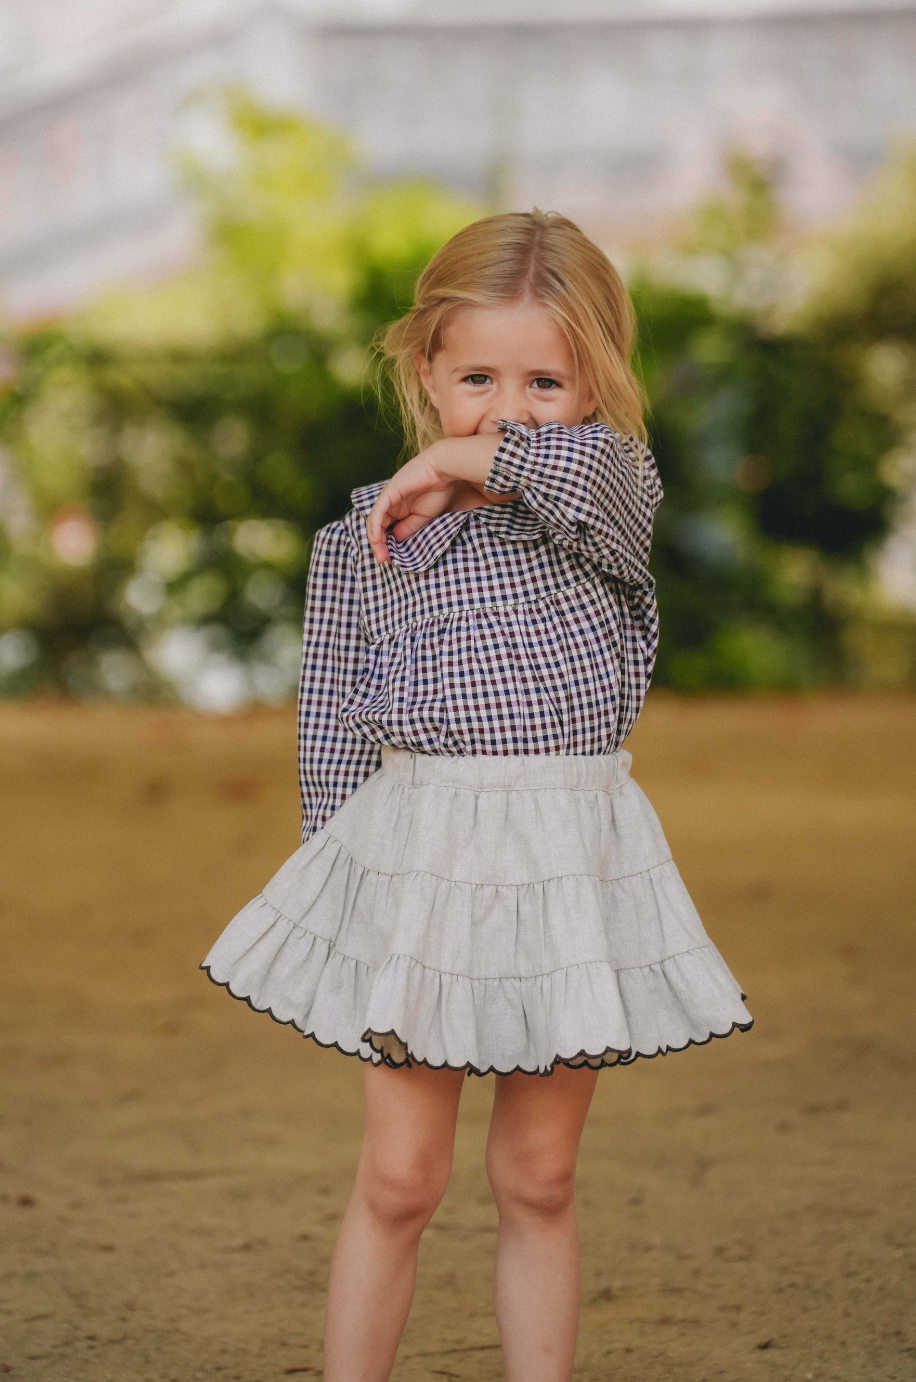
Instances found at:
x=534 y=373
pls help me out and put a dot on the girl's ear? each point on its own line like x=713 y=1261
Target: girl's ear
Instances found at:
x=589 y=401
x=422 y=366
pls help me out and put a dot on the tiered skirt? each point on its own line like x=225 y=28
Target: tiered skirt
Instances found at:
x=485 y=914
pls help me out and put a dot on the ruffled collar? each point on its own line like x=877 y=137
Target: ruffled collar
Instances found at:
x=513 y=522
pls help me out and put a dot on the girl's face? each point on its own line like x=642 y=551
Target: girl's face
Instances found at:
x=504 y=362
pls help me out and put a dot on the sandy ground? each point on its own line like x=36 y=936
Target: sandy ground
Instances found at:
x=173 y=1167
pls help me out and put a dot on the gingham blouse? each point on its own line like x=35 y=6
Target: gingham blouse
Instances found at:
x=524 y=627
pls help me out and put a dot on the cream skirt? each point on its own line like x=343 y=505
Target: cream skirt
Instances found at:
x=485 y=914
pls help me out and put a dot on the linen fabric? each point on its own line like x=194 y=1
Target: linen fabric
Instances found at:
x=486 y=913
x=526 y=627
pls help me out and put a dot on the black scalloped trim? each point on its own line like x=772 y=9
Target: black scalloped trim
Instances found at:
x=624 y=1057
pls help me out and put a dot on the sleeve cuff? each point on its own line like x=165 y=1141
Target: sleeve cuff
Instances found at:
x=508 y=473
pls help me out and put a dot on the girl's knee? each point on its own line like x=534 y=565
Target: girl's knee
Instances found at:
x=404 y=1196
x=534 y=1181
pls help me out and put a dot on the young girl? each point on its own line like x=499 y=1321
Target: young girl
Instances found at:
x=481 y=886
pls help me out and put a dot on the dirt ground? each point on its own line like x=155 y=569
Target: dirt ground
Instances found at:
x=173 y=1167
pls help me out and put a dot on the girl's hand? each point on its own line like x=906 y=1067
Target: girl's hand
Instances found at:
x=428 y=486
x=414 y=494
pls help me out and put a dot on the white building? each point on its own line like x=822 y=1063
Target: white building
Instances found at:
x=616 y=112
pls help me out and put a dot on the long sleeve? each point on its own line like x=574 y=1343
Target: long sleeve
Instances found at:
x=333 y=762
x=594 y=489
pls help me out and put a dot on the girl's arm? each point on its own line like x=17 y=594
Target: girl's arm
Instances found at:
x=594 y=489
x=333 y=762
x=427 y=486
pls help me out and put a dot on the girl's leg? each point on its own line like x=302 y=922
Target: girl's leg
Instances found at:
x=404 y=1167
x=531 y=1162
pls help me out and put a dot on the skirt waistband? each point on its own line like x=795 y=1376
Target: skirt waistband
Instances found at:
x=509 y=772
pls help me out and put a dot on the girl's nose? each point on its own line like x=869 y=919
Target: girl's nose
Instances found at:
x=514 y=406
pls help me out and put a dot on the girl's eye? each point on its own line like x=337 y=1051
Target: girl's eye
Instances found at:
x=477 y=379
x=545 y=384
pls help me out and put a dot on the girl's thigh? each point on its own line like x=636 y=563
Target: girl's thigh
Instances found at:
x=410 y=1118
x=537 y=1122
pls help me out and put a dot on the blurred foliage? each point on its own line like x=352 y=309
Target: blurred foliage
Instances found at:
x=781 y=419
x=770 y=452
x=167 y=453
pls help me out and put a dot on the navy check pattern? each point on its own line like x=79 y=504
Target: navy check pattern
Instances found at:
x=525 y=627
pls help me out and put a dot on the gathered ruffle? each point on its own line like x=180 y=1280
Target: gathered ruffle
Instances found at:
x=391 y=1006
x=408 y=693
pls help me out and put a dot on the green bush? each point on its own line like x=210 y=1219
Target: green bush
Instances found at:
x=773 y=443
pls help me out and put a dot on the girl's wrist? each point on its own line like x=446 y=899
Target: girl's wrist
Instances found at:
x=464 y=458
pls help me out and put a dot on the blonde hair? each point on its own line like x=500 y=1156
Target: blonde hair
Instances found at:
x=501 y=260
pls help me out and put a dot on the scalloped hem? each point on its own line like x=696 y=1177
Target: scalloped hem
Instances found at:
x=587 y=966
x=406 y=1058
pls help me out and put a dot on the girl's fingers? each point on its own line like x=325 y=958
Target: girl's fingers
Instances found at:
x=378 y=541
x=394 y=505
x=400 y=529
x=377 y=525
x=372 y=534
x=406 y=527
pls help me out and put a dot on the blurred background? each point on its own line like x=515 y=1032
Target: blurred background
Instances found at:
x=209 y=209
